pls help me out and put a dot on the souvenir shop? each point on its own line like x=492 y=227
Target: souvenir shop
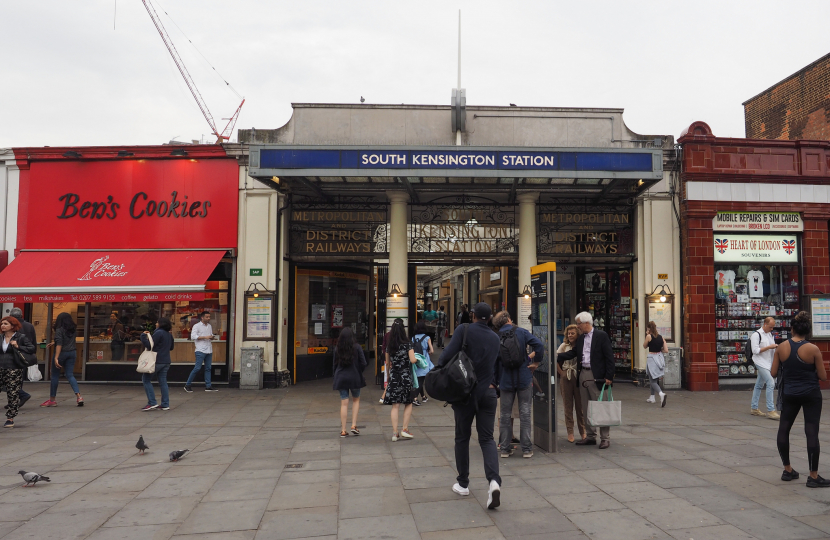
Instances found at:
x=755 y=244
x=756 y=276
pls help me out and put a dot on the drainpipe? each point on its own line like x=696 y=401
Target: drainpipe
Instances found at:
x=279 y=277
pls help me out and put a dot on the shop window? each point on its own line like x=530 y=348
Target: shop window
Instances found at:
x=744 y=296
x=327 y=302
x=606 y=294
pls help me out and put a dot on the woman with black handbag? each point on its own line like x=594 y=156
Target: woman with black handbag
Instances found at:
x=15 y=355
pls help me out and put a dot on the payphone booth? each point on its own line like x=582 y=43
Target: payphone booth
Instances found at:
x=543 y=318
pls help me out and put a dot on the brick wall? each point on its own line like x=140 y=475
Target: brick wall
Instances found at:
x=699 y=333
x=796 y=108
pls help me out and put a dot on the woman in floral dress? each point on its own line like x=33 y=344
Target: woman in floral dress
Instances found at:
x=399 y=359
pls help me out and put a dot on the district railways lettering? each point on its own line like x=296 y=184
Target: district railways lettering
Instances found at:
x=343 y=231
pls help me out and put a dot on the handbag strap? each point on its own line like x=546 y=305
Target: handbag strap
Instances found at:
x=150 y=337
x=610 y=393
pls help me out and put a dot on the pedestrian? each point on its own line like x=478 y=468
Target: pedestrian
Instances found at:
x=763 y=349
x=202 y=335
x=464 y=316
x=596 y=368
x=162 y=345
x=399 y=359
x=515 y=383
x=117 y=337
x=29 y=331
x=421 y=340
x=348 y=365
x=482 y=347
x=429 y=313
x=656 y=363
x=382 y=353
x=803 y=367
x=440 y=326
x=11 y=376
x=65 y=357
x=569 y=385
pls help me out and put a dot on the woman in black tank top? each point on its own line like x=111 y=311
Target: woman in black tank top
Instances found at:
x=802 y=366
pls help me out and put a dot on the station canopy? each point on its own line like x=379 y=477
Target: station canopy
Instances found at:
x=593 y=176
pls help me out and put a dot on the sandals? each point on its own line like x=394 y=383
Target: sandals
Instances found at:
x=343 y=434
x=355 y=431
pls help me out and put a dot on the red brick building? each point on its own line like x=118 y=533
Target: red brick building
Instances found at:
x=754 y=225
x=796 y=108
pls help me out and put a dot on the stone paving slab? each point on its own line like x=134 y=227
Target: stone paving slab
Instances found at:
x=270 y=465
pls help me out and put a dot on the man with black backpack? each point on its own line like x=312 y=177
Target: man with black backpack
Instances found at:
x=481 y=346
x=514 y=378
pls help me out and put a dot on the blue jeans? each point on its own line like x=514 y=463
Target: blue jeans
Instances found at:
x=764 y=378
x=525 y=397
x=161 y=375
x=344 y=394
x=67 y=361
x=200 y=358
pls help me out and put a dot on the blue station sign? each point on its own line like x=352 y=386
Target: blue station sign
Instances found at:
x=265 y=161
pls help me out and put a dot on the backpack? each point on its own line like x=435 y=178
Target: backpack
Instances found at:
x=454 y=381
x=748 y=347
x=418 y=345
x=511 y=355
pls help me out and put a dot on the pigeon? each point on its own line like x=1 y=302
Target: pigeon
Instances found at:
x=32 y=477
x=140 y=444
x=176 y=455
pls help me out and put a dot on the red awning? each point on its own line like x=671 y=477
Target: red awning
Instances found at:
x=107 y=276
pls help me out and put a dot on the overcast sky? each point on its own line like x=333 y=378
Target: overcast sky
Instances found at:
x=69 y=78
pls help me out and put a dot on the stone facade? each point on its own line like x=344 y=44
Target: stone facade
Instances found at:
x=796 y=108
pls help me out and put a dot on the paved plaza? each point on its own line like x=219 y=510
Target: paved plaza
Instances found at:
x=270 y=465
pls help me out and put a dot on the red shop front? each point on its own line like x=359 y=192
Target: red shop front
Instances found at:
x=755 y=241
x=119 y=237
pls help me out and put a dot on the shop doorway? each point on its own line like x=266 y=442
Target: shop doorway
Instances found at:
x=605 y=293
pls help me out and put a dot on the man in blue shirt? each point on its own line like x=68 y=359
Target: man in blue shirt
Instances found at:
x=516 y=383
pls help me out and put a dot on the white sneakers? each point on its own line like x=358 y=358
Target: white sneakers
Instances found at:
x=662 y=399
x=460 y=490
x=650 y=400
x=494 y=495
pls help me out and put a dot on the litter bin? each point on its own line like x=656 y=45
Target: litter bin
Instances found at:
x=671 y=375
x=250 y=369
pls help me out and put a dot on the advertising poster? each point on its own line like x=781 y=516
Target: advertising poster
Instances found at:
x=258 y=318
x=337 y=316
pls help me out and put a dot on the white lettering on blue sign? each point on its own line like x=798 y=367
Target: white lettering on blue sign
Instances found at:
x=383 y=159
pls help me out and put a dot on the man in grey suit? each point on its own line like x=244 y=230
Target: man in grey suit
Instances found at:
x=596 y=363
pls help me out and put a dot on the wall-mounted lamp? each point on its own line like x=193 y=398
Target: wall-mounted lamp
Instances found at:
x=396 y=291
x=663 y=294
x=526 y=293
x=256 y=289
x=179 y=152
x=71 y=154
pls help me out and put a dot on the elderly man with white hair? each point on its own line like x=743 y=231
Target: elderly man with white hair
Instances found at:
x=595 y=363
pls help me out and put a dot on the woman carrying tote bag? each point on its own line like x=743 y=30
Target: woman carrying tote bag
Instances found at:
x=11 y=372
x=162 y=344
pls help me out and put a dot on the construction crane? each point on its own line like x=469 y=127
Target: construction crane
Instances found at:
x=225 y=134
